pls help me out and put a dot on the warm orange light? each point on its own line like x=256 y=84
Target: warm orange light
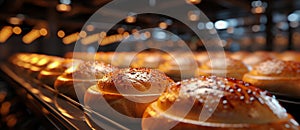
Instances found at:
x=35 y=91
x=193 y=1
x=15 y=20
x=43 y=31
x=193 y=15
x=31 y=36
x=102 y=34
x=111 y=39
x=5 y=33
x=61 y=33
x=90 y=28
x=147 y=34
x=43 y=62
x=47 y=99
x=71 y=69
x=130 y=19
x=134 y=30
x=90 y=39
x=163 y=25
x=71 y=38
x=54 y=64
x=2 y=96
x=120 y=30
x=125 y=35
x=63 y=8
x=82 y=34
x=5 y=108
x=34 y=60
x=11 y=121
x=258 y=10
x=17 y=30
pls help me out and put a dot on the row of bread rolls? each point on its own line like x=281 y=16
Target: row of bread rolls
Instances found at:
x=234 y=68
x=68 y=76
x=238 y=105
x=238 y=65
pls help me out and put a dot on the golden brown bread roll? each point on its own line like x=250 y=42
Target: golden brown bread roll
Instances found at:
x=179 y=66
x=201 y=57
x=128 y=92
x=20 y=60
x=215 y=103
x=240 y=55
x=276 y=76
x=147 y=60
x=122 y=59
x=39 y=62
x=290 y=56
x=257 y=57
x=55 y=69
x=76 y=79
x=105 y=57
x=223 y=67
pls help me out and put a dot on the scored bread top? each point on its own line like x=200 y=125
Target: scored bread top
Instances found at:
x=235 y=101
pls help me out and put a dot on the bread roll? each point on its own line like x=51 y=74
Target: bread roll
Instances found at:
x=240 y=55
x=276 y=76
x=223 y=67
x=256 y=58
x=81 y=76
x=179 y=66
x=127 y=93
x=55 y=69
x=147 y=60
x=214 y=103
x=290 y=56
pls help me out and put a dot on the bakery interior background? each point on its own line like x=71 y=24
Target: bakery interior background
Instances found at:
x=52 y=26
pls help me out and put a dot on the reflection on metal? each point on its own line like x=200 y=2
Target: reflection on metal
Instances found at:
x=35 y=91
x=46 y=99
x=45 y=111
x=67 y=109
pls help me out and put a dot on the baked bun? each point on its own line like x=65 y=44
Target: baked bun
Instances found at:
x=105 y=57
x=201 y=57
x=122 y=59
x=215 y=103
x=81 y=76
x=276 y=76
x=179 y=66
x=20 y=60
x=38 y=62
x=127 y=93
x=147 y=60
x=55 y=69
x=257 y=57
x=290 y=56
x=240 y=55
x=223 y=67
